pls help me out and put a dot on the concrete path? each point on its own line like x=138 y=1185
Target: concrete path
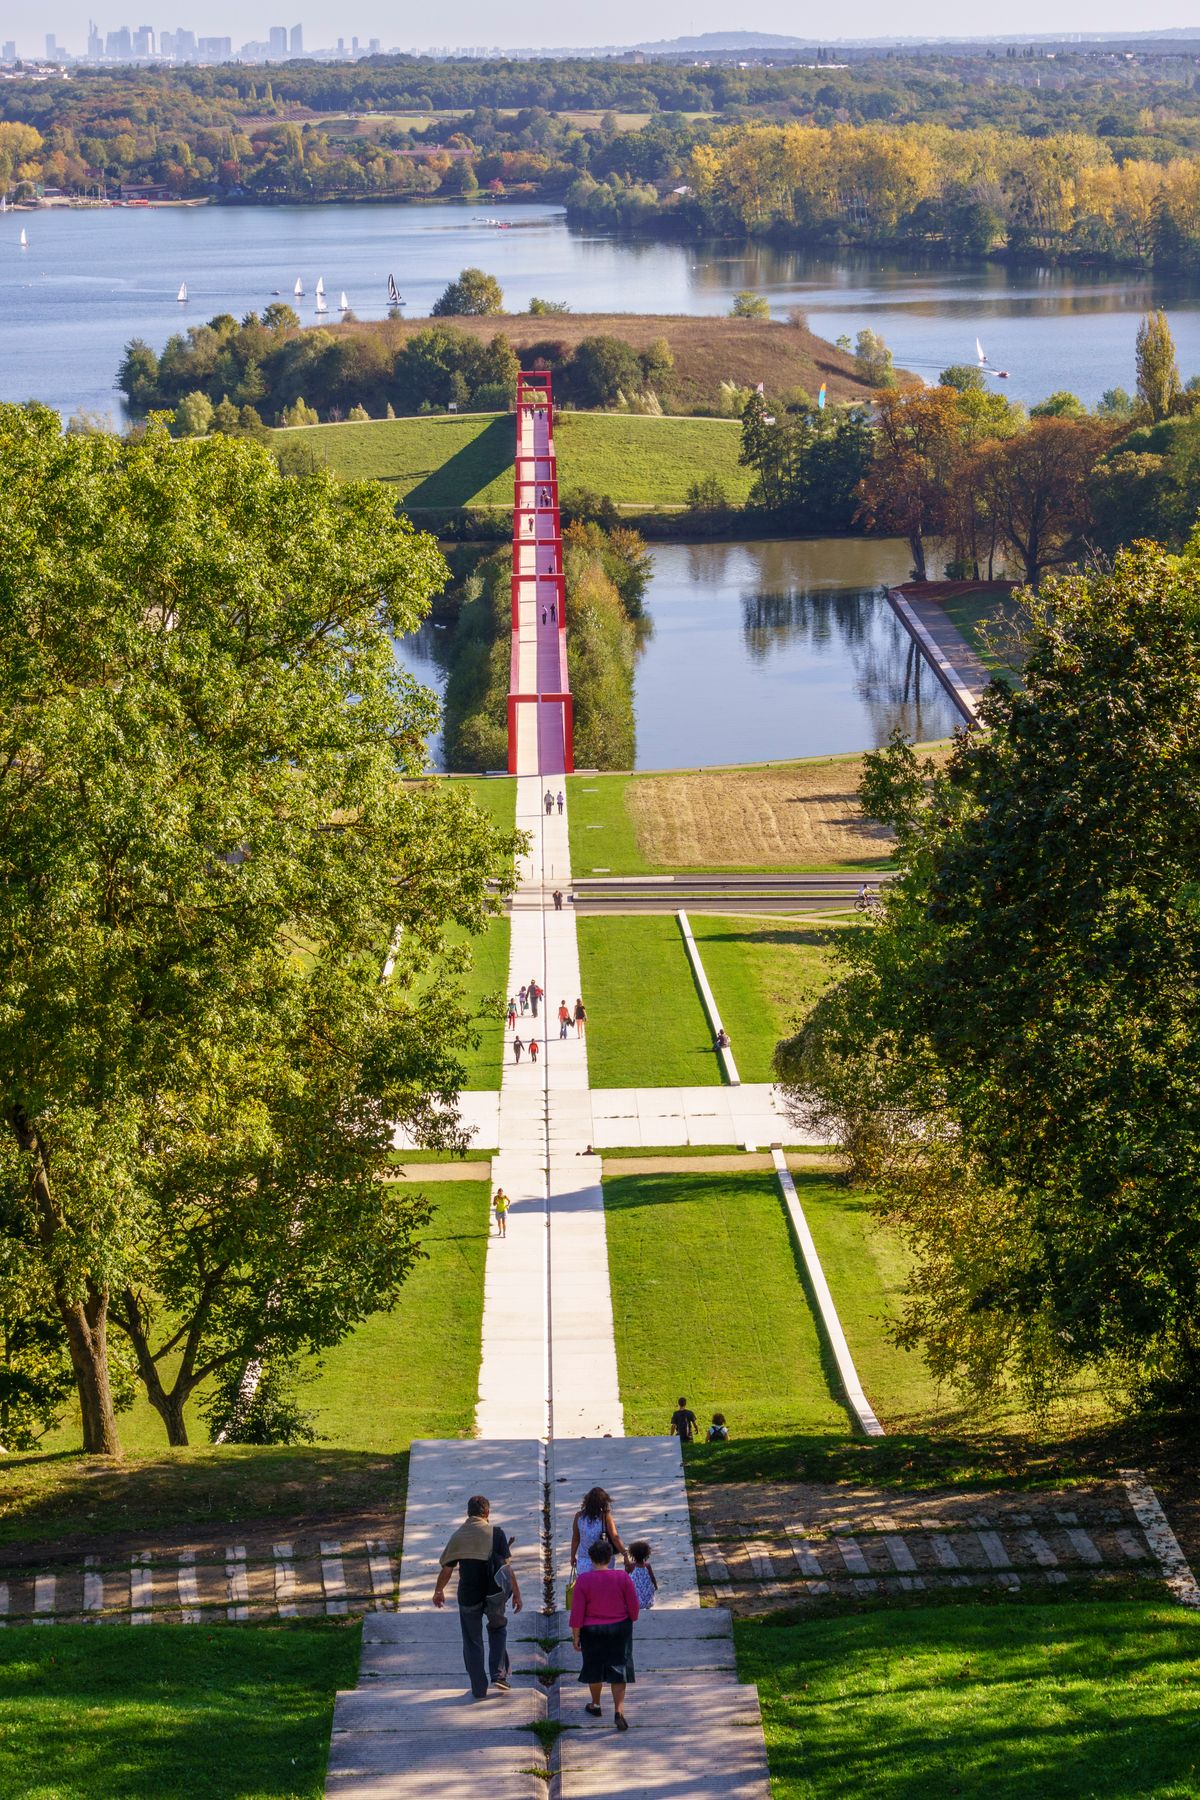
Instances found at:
x=962 y=673
x=653 y=1118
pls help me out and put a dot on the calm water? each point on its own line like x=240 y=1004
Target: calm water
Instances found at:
x=763 y=651
x=90 y=281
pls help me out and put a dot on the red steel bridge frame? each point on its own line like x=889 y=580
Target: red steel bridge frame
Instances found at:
x=538 y=581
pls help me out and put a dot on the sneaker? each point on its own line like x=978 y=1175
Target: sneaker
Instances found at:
x=503 y=1683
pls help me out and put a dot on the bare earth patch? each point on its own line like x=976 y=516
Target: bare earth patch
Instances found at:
x=807 y=813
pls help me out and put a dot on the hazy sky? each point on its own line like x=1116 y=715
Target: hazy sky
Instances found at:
x=548 y=22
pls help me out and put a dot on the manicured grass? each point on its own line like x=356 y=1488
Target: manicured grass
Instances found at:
x=797 y=816
x=1070 y=1700
x=988 y=621
x=194 y=1711
x=646 y=1024
x=486 y=987
x=414 y=1372
x=867 y=1269
x=466 y=459
x=495 y=795
x=61 y=1496
x=708 y=1302
x=764 y=978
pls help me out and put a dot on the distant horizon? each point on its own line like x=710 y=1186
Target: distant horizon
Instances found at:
x=464 y=28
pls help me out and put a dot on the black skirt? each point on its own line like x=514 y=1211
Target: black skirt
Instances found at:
x=607 y=1653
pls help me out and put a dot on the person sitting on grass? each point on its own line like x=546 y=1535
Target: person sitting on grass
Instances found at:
x=718 y=1431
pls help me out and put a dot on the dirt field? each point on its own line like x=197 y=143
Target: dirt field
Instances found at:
x=707 y=351
x=806 y=814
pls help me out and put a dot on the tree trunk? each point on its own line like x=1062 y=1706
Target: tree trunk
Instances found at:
x=916 y=544
x=87 y=1339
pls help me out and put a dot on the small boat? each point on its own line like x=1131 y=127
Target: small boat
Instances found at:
x=181 y=296
x=393 y=292
x=298 y=290
x=23 y=240
x=1001 y=374
x=343 y=303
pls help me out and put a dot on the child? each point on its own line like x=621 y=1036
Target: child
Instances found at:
x=533 y=1049
x=718 y=1431
x=512 y=1013
x=501 y=1205
x=644 y=1579
x=524 y=999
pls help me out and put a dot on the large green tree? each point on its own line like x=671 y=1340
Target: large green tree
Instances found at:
x=209 y=835
x=1010 y=1054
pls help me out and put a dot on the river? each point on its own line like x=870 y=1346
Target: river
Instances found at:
x=90 y=281
x=763 y=651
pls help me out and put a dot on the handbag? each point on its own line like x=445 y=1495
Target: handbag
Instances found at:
x=569 y=1591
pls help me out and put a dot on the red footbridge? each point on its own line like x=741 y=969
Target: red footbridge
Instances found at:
x=540 y=717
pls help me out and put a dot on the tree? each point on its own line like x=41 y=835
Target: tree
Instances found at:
x=873 y=360
x=748 y=305
x=137 y=376
x=1157 y=371
x=207 y=840
x=1041 y=481
x=1008 y=1055
x=602 y=370
x=908 y=486
x=474 y=293
x=279 y=316
x=545 y=308
x=1059 y=405
x=964 y=378
x=193 y=415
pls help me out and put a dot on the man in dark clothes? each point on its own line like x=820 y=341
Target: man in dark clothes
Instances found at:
x=683 y=1422
x=482 y=1555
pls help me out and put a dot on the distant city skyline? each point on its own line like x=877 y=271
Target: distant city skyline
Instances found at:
x=470 y=26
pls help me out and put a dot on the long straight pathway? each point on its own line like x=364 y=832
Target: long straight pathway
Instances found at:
x=549 y=1417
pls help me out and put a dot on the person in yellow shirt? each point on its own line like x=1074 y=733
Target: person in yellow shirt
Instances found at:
x=500 y=1206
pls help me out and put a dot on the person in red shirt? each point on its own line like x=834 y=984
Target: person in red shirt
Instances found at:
x=603 y=1610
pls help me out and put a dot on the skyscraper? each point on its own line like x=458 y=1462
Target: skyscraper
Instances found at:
x=95 y=47
x=297 y=45
x=8 y=50
x=278 y=40
x=51 y=47
x=118 y=43
x=143 y=41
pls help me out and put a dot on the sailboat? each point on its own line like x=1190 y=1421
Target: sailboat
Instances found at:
x=979 y=351
x=3 y=202
x=23 y=240
x=182 y=294
x=343 y=303
x=320 y=287
x=321 y=306
x=393 y=292
x=298 y=290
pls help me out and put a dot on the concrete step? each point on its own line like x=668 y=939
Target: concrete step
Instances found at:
x=382 y=1765
x=695 y=1738
x=445 y=1710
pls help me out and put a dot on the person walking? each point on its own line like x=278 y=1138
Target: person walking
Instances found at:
x=558 y=899
x=549 y=802
x=535 y=994
x=533 y=1049
x=604 y=1610
x=543 y=615
x=553 y=614
x=518 y=1046
x=642 y=1575
x=512 y=1012
x=580 y=1018
x=562 y=800
x=482 y=1555
x=683 y=1422
x=500 y=1206
x=524 y=999
x=564 y=1018
x=593 y=1521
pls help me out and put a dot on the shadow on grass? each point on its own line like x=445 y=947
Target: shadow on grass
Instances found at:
x=470 y=470
x=65 y=1497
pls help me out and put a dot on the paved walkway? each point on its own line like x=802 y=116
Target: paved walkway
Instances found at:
x=957 y=666
x=652 y=1118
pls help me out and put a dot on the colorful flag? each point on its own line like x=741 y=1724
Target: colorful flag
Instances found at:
x=821 y=397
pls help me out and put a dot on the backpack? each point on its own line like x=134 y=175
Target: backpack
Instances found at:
x=718 y=1434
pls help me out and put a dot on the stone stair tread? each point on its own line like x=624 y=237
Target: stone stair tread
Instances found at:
x=379 y=1765
x=444 y=1710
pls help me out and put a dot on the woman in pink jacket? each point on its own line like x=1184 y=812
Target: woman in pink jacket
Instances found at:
x=603 y=1610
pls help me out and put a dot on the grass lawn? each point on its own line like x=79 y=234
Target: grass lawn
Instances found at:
x=486 y=986
x=414 y=1372
x=1066 y=1700
x=708 y=1302
x=989 y=622
x=646 y=1023
x=764 y=978
x=170 y=1710
x=465 y=459
x=495 y=795
x=798 y=816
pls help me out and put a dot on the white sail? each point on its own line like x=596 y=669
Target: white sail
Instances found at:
x=393 y=292
x=343 y=303
x=321 y=306
x=3 y=202
x=182 y=294
x=23 y=239
x=320 y=288
x=298 y=290
x=979 y=351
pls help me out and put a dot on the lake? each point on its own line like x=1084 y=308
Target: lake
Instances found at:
x=90 y=281
x=763 y=651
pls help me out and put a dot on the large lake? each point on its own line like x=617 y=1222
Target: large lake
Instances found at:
x=89 y=281
x=762 y=651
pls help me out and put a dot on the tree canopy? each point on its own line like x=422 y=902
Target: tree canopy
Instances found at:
x=209 y=834
x=1009 y=1055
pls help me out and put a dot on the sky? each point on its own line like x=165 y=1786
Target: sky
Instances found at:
x=464 y=23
